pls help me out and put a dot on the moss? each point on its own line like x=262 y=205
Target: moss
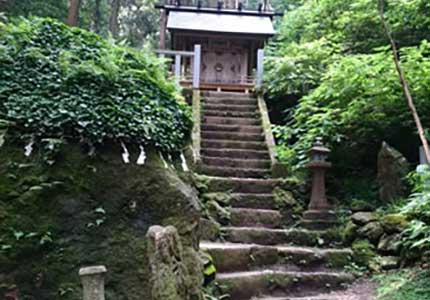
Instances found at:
x=349 y=232
x=364 y=252
x=54 y=212
x=394 y=223
x=337 y=260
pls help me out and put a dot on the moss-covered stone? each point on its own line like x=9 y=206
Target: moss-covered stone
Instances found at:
x=394 y=223
x=349 y=232
x=371 y=231
x=290 y=208
x=389 y=244
x=362 y=218
x=87 y=211
x=361 y=205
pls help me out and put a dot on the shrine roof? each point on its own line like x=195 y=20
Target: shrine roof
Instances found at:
x=226 y=23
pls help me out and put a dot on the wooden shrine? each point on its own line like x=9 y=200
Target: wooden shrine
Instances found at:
x=229 y=38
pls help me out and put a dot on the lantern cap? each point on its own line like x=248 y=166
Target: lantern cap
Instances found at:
x=318 y=147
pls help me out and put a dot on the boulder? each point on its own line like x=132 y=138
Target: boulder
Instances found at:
x=389 y=244
x=362 y=218
x=392 y=168
x=371 y=231
x=360 y=205
x=394 y=223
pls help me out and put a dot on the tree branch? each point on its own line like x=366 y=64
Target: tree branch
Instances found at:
x=404 y=82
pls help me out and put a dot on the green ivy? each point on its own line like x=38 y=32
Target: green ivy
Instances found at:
x=62 y=82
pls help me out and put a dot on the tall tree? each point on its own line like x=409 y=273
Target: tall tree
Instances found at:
x=97 y=16
x=404 y=82
x=113 y=19
x=73 y=16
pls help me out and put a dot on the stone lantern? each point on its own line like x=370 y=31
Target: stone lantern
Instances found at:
x=319 y=214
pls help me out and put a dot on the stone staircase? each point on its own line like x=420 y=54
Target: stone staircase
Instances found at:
x=260 y=259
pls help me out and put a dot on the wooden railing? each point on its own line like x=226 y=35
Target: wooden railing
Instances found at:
x=188 y=72
x=180 y=70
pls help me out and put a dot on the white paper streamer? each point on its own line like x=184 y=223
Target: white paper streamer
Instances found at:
x=164 y=161
x=125 y=154
x=28 y=149
x=142 y=156
x=170 y=160
x=184 y=163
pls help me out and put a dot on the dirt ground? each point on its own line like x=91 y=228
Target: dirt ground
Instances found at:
x=361 y=290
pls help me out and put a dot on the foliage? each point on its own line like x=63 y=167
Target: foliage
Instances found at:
x=61 y=82
x=416 y=237
x=359 y=103
x=138 y=19
x=408 y=284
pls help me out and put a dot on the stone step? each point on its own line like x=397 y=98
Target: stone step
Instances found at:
x=228 y=144
x=254 y=217
x=236 y=153
x=263 y=201
x=232 y=128
x=244 y=285
x=235 y=172
x=242 y=185
x=267 y=236
x=236 y=163
x=324 y=296
x=236 y=136
x=230 y=107
x=213 y=120
x=230 y=101
x=230 y=114
x=230 y=257
x=230 y=95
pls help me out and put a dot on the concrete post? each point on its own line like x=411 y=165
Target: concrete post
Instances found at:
x=93 y=283
x=260 y=70
x=196 y=66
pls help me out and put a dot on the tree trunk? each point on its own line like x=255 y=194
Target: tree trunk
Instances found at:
x=113 y=19
x=404 y=83
x=73 y=16
x=97 y=16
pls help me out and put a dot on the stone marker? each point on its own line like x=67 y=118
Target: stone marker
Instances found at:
x=92 y=279
x=392 y=168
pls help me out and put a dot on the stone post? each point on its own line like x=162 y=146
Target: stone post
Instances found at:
x=93 y=283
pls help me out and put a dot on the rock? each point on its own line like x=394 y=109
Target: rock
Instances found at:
x=218 y=212
x=394 y=223
x=362 y=218
x=349 y=233
x=169 y=276
x=389 y=262
x=371 y=231
x=389 y=244
x=392 y=168
x=209 y=230
x=364 y=252
x=360 y=205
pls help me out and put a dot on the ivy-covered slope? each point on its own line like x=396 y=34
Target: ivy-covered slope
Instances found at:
x=62 y=82
x=67 y=90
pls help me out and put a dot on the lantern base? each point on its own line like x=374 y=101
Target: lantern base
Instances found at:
x=318 y=219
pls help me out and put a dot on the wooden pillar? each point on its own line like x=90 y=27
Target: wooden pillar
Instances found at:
x=178 y=66
x=196 y=66
x=260 y=58
x=163 y=24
